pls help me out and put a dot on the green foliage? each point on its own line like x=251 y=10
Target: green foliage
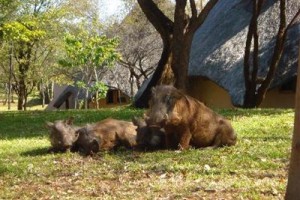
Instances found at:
x=253 y=169
x=90 y=54
x=86 y=50
x=100 y=88
x=81 y=85
x=8 y=9
x=27 y=31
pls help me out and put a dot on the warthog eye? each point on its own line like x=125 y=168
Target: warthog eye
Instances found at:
x=168 y=99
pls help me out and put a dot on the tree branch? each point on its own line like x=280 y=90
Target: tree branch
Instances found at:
x=180 y=19
x=278 y=50
x=293 y=20
x=255 y=57
x=197 y=22
x=193 y=9
x=157 y=18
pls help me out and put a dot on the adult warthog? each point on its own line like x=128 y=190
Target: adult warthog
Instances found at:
x=187 y=121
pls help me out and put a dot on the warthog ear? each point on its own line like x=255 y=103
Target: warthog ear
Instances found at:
x=69 y=121
x=49 y=124
x=137 y=121
x=76 y=136
x=134 y=120
x=177 y=94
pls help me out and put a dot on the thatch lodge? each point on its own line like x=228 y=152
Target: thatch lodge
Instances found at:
x=217 y=55
x=65 y=98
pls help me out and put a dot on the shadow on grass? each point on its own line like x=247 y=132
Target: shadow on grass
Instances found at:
x=239 y=112
x=31 y=124
x=267 y=138
x=37 y=152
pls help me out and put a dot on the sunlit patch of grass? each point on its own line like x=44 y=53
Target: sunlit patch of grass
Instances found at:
x=255 y=168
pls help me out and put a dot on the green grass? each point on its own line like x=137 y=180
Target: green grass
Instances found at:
x=256 y=168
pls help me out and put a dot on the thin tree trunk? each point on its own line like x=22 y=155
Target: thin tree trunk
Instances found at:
x=293 y=186
x=6 y=94
x=86 y=98
x=131 y=86
x=25 y=101
x=251 y=77
x=254 y=95
x=10 y=78
x=77 y=105
x=278 y=50
x=51 y=91
x=21 y=94
x=97 y=92
x=24 y=56
x=43 y=93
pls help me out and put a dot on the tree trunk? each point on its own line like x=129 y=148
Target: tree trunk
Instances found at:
x=10 y=78
x=178 y=37
x=42 y=89
x=6 y=94
x=97 y=99
x=278 y=50
x=180 y=46
x=51 y=91
x=25 y=102
x=131 y=86
x=256 y=90
x=21 y=94
x=77 y=104
x=180 y=61
x=293 y=186
x=24 y=55
x=86 y=99
x=97 y=92
x=250 y=76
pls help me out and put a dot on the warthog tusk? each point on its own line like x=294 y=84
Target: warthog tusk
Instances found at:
x=166 y=116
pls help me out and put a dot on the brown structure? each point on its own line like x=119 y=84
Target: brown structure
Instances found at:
x=214 y=96
x=114 y=97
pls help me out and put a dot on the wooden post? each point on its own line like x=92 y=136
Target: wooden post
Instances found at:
x=293 y=186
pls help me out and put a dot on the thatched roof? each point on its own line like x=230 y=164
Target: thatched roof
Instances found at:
x=218 y=47
x=73 y=91
x=69 y=90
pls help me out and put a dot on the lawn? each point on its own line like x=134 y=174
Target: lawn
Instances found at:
x=256 y=168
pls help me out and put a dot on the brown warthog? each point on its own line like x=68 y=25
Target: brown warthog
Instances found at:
x=187 y=121
x=62 y=135
x=148 y=138
x=105 y=135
